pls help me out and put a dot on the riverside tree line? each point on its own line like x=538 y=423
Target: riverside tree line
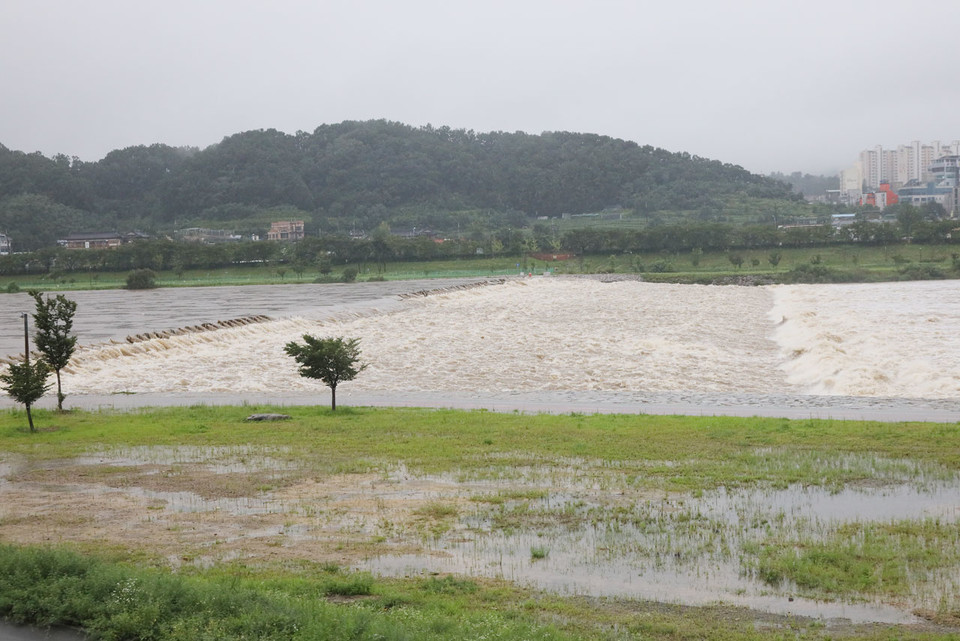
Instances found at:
x=922 y=225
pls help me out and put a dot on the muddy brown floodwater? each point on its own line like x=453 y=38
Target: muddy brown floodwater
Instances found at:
x=881 y=352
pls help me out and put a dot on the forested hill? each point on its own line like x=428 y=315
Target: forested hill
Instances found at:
x=356 y=175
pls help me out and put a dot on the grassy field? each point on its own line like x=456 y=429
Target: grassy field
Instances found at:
x=85 y=544
x=844 y=262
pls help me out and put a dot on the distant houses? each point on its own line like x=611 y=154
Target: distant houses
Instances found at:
x=286 y=230
x=5 y=246
x=208 y=236
x=99 y=240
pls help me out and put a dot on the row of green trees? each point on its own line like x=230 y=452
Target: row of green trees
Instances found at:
x=322 y=253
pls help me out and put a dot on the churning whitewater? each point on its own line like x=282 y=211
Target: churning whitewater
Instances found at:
x=558 y=334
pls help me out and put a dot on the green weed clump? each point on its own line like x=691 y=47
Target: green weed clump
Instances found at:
x=438 y=510
x=117 y=602
x=890 y=559
x=359 y=584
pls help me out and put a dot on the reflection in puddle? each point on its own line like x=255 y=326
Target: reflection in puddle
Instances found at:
x=572 y=526
x=217 y=460
x=676 y=549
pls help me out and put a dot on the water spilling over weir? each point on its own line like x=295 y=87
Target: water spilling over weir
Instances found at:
x=566 y=336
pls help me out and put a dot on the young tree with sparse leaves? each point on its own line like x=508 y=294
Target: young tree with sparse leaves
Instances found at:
x=54 y=321
x=331 y=360
x=26 y=383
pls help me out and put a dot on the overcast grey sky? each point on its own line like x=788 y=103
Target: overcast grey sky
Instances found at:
x=771 y=85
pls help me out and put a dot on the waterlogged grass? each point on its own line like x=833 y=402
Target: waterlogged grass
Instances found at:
x=672 y=453
x=876 y=559
x=659 y=491
x=112 y=600
x=438 y=510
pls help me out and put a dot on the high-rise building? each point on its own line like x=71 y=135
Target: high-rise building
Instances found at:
x=905 y=163
x=872 y=166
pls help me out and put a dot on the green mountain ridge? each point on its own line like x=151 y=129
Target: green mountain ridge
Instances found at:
x=356 y=175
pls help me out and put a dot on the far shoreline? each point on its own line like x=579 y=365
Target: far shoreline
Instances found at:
x=794 y=265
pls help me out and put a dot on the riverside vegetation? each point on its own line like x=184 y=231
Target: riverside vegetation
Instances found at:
x=191 y=523
x=837 y=263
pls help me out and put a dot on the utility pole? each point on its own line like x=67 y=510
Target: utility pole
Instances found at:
x=26 y=340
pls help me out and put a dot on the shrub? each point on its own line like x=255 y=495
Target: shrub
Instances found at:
x=921 y=272
x=141 y=279
x=350 y=274
x=661 y=267
x=810 y=273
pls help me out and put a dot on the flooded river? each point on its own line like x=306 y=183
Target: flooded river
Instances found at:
x=886 y=351
x=542 y=344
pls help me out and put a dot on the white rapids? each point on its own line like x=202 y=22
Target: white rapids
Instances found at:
x=554 y=334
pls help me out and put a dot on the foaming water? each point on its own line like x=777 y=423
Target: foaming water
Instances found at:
x=889 y=339
x=540 y=334
x=558 y=336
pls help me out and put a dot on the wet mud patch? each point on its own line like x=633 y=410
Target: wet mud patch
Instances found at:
x=573 y=526
x=162 y=479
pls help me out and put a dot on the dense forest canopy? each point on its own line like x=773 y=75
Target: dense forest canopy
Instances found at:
x=356 y=175
x=808 y=184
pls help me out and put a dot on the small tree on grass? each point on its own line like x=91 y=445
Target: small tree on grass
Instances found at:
x=331 y=360
x=54 y=320
x=26 y=383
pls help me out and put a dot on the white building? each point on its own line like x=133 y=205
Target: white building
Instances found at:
x=851 y=184
x=4 y=245
x=903 y=164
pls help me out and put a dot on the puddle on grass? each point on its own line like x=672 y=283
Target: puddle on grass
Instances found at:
x=188 y=502
x=597 y=529
x=216 y=460
x=675 y=549
x=210 y=459
x=566 y=571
